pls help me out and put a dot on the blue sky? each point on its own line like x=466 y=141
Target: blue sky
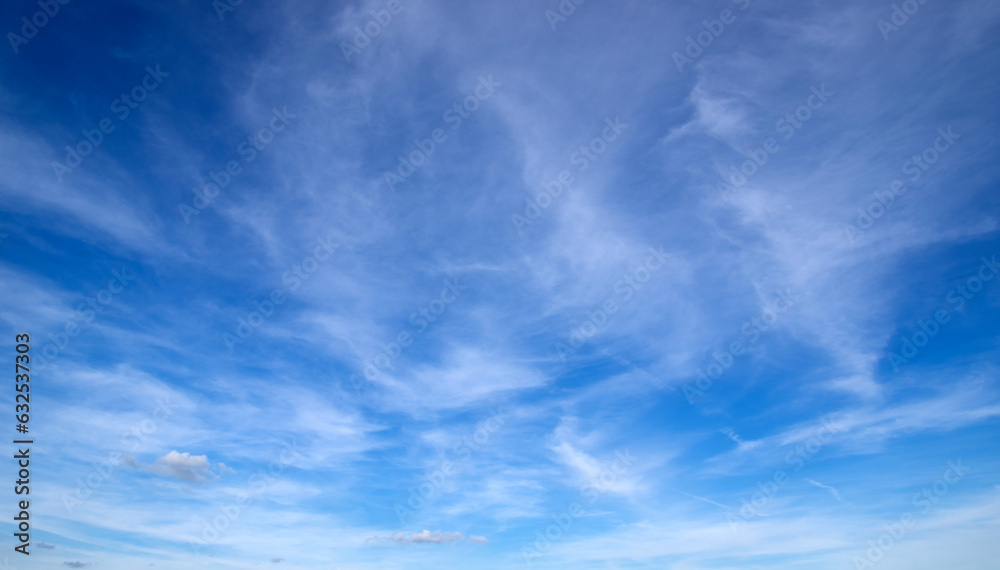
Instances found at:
x=520 y=284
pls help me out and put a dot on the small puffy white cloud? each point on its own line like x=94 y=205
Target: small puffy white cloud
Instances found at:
x=184 y=466
x=478 y=539
x=436 y=537
x=424 y=537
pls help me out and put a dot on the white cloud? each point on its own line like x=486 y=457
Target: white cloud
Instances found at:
x=425 y=537
x=833 y=491
x=184 y=466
